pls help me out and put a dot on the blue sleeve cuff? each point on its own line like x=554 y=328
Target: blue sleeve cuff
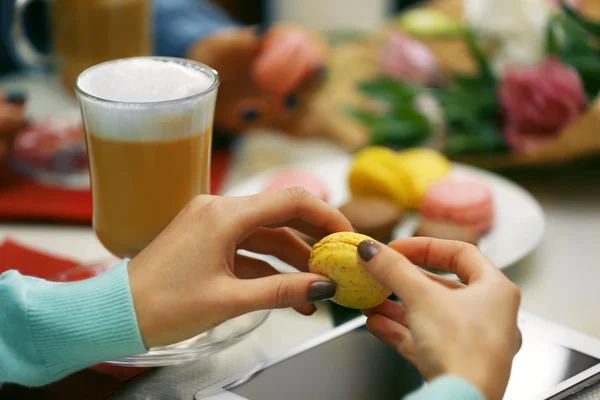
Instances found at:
x=78 y=324
x=179 y=23
x=447 y=388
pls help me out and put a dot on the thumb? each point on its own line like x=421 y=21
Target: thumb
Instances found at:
x=394 y=271
x=283 y=291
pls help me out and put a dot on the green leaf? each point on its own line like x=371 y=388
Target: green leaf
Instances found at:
x=553 y=46
x=367 y=118
x=485 y=68
x=588 y=67
x=575 y=38
x=389 y=90
x=400 y=133
x=469 y=100
x=590 y=26
x=403 y=127
x=487 y=139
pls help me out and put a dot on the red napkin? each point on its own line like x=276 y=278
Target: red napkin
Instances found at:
x=97 y=382
x=23 y=199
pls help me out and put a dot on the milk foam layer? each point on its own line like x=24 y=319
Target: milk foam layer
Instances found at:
x=144 y=99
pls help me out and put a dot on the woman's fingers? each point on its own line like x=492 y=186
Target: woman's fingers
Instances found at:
x=263 y=287
x=396 y=336
x=281 y=243
x=306 y=228
x=449 y=283
x=251 y=268
x=462 y=259
x=283 y=207
x=391 y=310
x=395 y=272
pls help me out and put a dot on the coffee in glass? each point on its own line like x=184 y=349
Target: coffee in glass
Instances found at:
x=148 y=124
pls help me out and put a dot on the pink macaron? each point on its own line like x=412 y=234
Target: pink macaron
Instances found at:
x=463 y=202
x=290 y=177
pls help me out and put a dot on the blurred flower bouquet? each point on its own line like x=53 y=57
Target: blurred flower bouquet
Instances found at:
x=514 y=81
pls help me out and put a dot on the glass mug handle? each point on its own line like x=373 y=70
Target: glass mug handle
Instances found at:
x=23 y=46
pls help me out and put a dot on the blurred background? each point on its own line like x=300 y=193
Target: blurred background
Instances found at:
x=508 y=89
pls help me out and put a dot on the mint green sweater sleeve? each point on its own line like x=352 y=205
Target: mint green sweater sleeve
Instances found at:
x=446 y=388
x=49 y=330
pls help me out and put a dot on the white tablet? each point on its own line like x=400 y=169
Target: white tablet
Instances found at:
x=349 y=363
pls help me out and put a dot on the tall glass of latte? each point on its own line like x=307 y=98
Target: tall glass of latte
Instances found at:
x=148 y=124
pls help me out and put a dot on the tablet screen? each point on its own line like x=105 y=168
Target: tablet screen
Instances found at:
x=358 y=366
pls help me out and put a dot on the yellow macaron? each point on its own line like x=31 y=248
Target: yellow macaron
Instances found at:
x=402 y=177
x=376 y=172
x=424 y=167
x=336 y=257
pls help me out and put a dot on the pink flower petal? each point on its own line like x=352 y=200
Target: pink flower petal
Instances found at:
x=539 y=101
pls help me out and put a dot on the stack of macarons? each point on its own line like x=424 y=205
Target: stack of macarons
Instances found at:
x=416 y=180
x=385 y=184
x=402 y=177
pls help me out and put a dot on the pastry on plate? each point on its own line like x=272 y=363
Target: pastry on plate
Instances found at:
x=372 y=216
x=446 y=231
x=468 y=203
x=402 y=177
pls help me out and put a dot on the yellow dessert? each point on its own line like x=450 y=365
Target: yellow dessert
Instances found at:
x=402 y=177
x=336 y=257
x=376 y=172
x=425 y=167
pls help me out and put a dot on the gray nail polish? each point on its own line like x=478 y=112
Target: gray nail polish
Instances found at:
x=321 y=291
x=367 y=250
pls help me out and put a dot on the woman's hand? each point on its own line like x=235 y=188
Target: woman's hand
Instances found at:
x=191 y=279
x=446 y=327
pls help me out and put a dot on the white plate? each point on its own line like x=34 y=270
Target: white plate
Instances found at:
x=519 y=220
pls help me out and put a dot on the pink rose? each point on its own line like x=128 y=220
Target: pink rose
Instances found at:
x=409 y=60
x=539 y=101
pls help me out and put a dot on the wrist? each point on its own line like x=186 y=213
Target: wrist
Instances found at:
x=490 y=382
x=139 y=290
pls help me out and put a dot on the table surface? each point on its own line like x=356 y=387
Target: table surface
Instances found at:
x=559 y=280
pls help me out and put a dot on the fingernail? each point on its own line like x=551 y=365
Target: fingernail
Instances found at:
x=15 y=97
x=367 y=250
x=321 y=291
x=291 y=101
x=262 y=28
